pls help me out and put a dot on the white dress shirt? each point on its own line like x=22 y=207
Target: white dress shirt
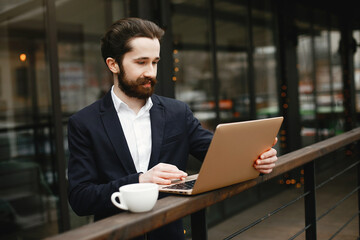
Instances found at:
x=137 y=130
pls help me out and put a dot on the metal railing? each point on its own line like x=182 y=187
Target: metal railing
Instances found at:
x=127 y=225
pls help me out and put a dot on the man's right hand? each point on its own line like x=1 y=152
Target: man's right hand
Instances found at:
x=163 y=174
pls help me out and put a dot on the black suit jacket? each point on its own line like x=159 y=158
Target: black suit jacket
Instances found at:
x=100 y=161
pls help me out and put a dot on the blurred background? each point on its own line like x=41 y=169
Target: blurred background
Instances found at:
x=229 y=60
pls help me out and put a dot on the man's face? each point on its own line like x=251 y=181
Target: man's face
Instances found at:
x=137 y=77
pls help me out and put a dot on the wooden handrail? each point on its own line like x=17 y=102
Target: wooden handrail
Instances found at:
x=127 y=225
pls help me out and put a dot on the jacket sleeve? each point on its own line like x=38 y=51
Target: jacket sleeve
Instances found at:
x=87 y=194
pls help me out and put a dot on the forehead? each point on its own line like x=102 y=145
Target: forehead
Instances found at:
x=142 y=47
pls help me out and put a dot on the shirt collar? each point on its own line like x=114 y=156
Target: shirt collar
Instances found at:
x=118 y=103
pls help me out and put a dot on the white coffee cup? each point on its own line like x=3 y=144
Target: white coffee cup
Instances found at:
x=137 y=197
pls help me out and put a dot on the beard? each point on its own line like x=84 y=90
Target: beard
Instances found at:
x=136 y=89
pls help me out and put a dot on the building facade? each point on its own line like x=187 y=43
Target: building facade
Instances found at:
x=229 y=60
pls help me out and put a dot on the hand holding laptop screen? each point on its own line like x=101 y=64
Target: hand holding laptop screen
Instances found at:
x=266 y=162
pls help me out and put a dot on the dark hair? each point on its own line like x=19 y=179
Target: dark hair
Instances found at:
x=115 y=42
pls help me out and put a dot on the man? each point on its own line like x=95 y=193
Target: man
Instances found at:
x=132 y=135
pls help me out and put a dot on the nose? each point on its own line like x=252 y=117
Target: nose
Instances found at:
x=151 y=71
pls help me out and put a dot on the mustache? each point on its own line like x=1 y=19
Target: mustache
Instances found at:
x=145 y=80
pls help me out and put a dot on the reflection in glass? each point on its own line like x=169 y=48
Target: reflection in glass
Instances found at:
x=232 y=60
x=306 y=82
x=84 y=77
x=320 y=81
x=192 y=59
x=83 y=74
x=356 y=36
x=264 y=56
x=328 y=77
x=336 y=75
x=27 y=177
x=323 y=82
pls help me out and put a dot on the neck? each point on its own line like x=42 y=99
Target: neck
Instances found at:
x=134 y=104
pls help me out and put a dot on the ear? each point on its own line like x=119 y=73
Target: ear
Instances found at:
x=112 y=65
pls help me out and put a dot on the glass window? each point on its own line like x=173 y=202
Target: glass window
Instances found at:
x=192 y=59
x=320 y=84
x=264 y=56
x=323 y=82
x=336 y=75
x=329 y=97
x=83 y=74
x=356 y=36
x=84 y=77
x=232 y=40
x=27 y=175
x=306 y=82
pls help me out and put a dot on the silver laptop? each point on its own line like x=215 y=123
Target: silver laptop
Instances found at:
x=230 y=157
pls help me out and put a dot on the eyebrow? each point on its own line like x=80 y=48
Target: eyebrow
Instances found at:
x=146 y=58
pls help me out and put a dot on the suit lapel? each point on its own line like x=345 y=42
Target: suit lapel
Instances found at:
x=115 y=133
x=157 y=118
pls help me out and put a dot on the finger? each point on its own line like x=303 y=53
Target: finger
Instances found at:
x=264 y=167
x=165 y=167
x=266 y=160
x=161 y=181
x=150 y=177
x=153 y=178
x=275 y=141
x=168 y=172
x=268 y=154
x=267 y=171
x=167 y=175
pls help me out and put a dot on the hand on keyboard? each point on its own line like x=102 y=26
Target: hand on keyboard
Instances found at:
x=162 y=173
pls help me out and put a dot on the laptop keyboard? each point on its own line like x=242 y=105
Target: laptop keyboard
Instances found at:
x=184 y=186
